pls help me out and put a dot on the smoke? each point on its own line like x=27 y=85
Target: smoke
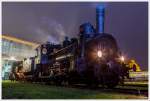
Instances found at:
x=45 y=35
x=54 y=30
x=47 y=29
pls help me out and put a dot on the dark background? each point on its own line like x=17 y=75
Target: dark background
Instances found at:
x=42 y=21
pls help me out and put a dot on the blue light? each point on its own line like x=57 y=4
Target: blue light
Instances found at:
x=100 y=14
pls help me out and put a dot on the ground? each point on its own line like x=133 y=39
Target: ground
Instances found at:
x=17 y=90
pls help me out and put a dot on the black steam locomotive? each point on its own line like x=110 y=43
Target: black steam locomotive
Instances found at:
x=93 y=58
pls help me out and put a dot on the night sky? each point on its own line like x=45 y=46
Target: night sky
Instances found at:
x=39 y=22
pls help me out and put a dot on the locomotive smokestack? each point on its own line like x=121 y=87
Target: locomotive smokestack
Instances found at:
x=100 y=15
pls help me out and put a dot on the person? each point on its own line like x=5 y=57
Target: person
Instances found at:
x=12 y=77
x=134 y=68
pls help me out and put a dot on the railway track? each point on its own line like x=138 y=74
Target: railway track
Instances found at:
x=119 y=89
x=124 y=89
x=128 y=91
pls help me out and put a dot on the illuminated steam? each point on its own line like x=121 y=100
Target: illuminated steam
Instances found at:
x=48 y=30
x=54 y=30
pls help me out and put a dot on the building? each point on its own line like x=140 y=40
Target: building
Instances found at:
x=14 y=49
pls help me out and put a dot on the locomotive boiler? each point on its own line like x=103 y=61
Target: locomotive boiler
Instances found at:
x=92 y=58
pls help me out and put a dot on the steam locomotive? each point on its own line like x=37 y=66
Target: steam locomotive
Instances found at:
x=93 y=58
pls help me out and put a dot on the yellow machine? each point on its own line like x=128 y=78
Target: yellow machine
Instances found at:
x=134 y=66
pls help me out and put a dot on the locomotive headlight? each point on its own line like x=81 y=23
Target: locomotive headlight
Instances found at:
x=122 y=58
x=44 y=50
x=99 y=54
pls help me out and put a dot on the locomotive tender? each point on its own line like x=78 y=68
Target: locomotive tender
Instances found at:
x=93 y=58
